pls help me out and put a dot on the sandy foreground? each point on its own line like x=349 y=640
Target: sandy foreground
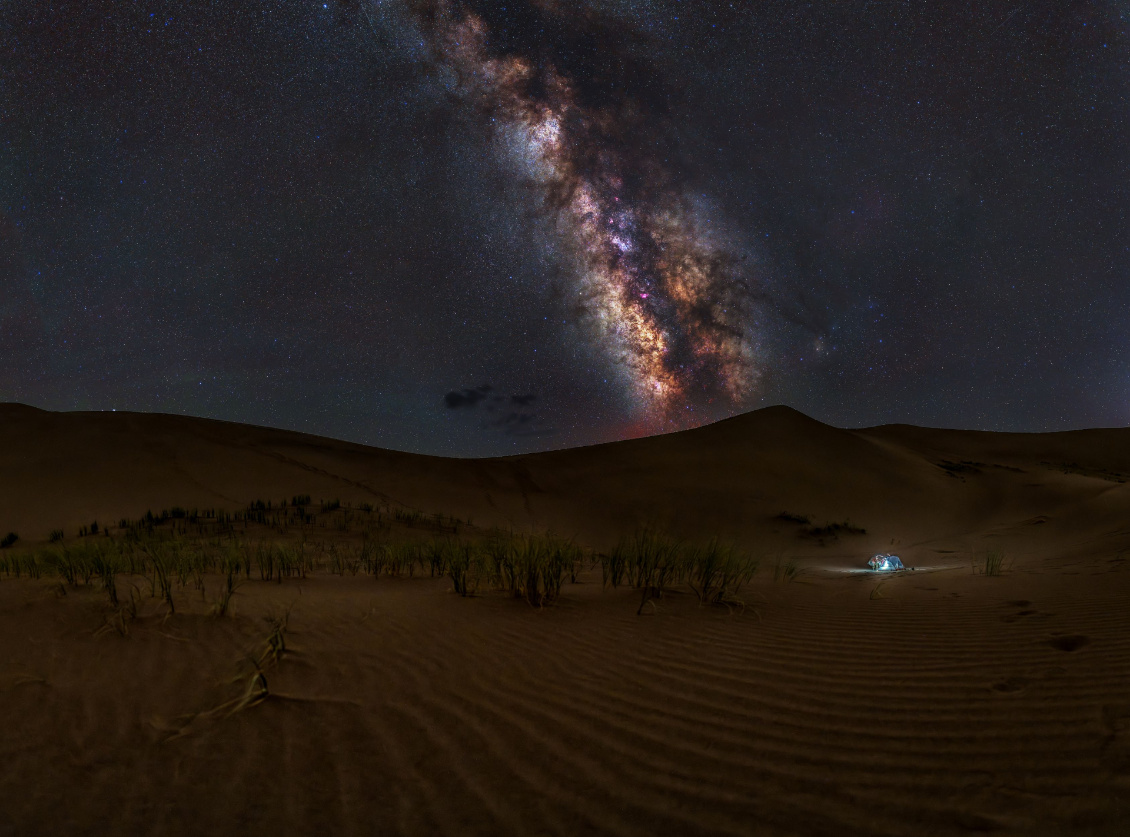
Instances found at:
x=935 y=701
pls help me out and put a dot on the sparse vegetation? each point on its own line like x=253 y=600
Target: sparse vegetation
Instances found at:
x=1087 y=471
x=785 y=570
x=788 y=517
x=166 y=555
x=718 y=572
x=958 y=469
x=994 y=562
x=653 y=563
x=8 y=540
x=461 y=564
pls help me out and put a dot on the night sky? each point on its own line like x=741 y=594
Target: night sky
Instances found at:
x=471 y=228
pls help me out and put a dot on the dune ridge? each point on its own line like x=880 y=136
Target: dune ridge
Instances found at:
x=62 y=470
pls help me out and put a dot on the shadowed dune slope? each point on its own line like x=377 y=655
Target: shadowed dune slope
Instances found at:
x=907 y=486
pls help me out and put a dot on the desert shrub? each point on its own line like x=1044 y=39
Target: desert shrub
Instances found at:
x=105 y=566
x=530 y=567
x=786 y=570
x=462 y=564
x=541 y=563
x=8 y=540
x=994 y=562
x=265 y=561
x=716 y=573
x=372 y=557
x=403 y=559
x=162 y=582
x=649 y=561
x=18 y=565
x=231 y=567
x=438 y=556
x=613 y=566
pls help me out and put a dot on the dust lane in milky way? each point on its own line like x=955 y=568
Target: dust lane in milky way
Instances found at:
x=661 y=292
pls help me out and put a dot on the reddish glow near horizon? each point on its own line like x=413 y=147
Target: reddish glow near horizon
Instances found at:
x=649 y=275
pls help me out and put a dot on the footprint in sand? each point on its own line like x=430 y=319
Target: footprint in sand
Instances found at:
x=1011 y=685
x=1072 y=642
x=1012 y=617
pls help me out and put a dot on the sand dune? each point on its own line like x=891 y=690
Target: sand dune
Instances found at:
x=62 y=470
x=935 y=701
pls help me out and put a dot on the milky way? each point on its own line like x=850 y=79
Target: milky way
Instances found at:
x=661 y=293
x=430 y=225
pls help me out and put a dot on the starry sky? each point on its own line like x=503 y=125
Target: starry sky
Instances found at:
x=484 y=227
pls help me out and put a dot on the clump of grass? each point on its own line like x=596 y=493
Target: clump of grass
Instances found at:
x=371 y=557
x=408 y=517
x=535 y=566
x=786 y=570
x=8 y=540
x=613 y=567
x=649 y=561
x=438 y=558
x=265 y=561
x=56 y=535
x=717 y=572
x=105 y=567
x=162 y=581
x=403 y=559
x=461 y=562
x=232 y=567
x=994 y=562
x=121 y=616
x=529 y=567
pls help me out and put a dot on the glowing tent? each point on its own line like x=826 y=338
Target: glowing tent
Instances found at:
x=886 y=563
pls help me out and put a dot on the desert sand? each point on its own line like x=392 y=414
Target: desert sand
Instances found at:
x=830 y=700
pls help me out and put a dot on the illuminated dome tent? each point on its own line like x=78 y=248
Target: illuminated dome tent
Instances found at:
x=886 y=563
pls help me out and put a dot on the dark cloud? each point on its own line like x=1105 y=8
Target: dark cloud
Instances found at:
x=466 y=398
x=515 y=419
